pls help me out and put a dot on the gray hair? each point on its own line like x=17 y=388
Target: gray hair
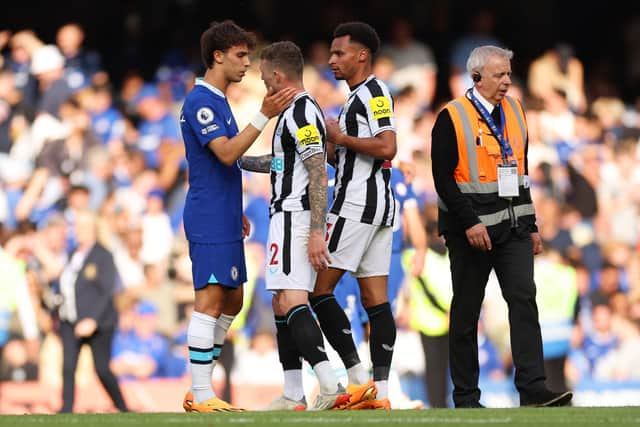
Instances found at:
x=480 y=56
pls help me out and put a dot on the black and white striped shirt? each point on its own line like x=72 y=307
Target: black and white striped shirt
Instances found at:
x=300 y=133
x=363 y=191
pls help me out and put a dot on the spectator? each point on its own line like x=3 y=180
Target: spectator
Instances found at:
x=558 y=68
x=145 y=353
x=87 y=314
x=86 y=63
x=414 y=61
x=602 y=339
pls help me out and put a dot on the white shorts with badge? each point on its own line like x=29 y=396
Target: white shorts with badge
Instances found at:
x=287 y=260
x=362 y=249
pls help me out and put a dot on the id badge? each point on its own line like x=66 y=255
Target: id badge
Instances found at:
x=508 y=181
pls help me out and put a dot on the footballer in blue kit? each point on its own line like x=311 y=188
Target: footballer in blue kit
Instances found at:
x=213 y=219
x=213 y=208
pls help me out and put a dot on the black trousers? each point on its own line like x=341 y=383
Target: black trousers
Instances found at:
x=436 y=354
x=554 y=368
x=470 y=268
x=100 y=344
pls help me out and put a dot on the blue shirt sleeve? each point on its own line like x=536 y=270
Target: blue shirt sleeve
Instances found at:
x=205 y=119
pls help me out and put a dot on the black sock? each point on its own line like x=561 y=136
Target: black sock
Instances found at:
x=382 y=339
x=336 y=328
x=290 y=357
x=306 y=334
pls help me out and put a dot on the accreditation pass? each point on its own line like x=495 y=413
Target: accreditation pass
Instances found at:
x=508 y=181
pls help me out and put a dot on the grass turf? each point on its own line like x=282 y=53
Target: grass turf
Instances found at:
x=580 y=417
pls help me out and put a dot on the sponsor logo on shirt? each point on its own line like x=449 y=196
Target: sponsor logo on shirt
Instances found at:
x=210 y=128
x=380 y=107
x=308 y=135
x=277 y=164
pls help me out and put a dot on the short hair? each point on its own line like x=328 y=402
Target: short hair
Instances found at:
x=360 y=32
x=222 y=36
x=480 y=56
x=285 y=56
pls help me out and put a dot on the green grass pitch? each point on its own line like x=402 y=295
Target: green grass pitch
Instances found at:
x=579 y=417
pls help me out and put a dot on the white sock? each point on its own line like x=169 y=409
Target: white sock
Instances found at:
x=383 y=389
x=326 y=377
x=357 y=374
x=293 y=384
x=200 y=337
x=222 y=326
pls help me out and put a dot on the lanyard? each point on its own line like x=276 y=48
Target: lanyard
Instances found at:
x=505 y=147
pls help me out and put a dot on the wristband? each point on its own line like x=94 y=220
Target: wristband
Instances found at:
x=259 y=121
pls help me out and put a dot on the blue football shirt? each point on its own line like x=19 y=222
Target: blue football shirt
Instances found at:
x=403 y=192
x=213 y=206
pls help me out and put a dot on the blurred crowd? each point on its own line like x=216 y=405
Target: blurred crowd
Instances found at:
x=70 y=141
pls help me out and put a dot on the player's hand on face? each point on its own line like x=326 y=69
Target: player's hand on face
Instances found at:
x=246 y=226
x=333 y=130
x=275 y=102
x=317 y=251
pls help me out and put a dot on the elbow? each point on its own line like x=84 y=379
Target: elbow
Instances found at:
x=389 y=152
x=227 y=160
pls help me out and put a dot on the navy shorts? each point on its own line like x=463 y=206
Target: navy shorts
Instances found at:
x=221 y=263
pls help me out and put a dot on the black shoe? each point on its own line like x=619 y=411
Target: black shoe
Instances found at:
x=469 y=404
x=546 y=398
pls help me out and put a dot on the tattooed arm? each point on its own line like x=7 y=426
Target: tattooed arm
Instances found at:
x=256 y=163
x=317 y=247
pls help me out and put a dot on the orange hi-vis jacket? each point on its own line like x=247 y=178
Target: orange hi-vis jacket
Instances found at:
x=479 y=155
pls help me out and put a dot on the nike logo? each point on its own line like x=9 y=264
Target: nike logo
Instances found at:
x=321 y=349
x=346 y=331
x=229 y=121
x=182 y=120
x=387 y=347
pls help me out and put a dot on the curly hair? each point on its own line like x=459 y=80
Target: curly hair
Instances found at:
x=359 y=32
x=222 y=36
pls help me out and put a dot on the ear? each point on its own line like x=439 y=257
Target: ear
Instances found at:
x=278 y=76
x=363 y=55
x=218 y=56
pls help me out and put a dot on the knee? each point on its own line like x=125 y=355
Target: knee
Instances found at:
x=370 y=298
x=285 y=300
x=211 y=308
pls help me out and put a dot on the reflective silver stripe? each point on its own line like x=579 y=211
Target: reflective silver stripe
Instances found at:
x=503 y=215
x=519 y=117
x=485 y=187
x=441 y=205
x=469 y=141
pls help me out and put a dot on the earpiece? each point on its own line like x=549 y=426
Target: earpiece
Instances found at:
x=476 y=77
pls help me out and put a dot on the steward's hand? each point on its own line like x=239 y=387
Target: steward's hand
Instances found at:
x=478 y=237
x=537 y=243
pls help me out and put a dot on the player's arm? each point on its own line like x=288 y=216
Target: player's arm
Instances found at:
x=417 y=235
x=382 y=146
x=318 y=181
x=229 y=150
x=260 y=164
x=331 y=153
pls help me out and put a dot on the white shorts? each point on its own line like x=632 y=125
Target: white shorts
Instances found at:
x=287 y=260
x=362 y=249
